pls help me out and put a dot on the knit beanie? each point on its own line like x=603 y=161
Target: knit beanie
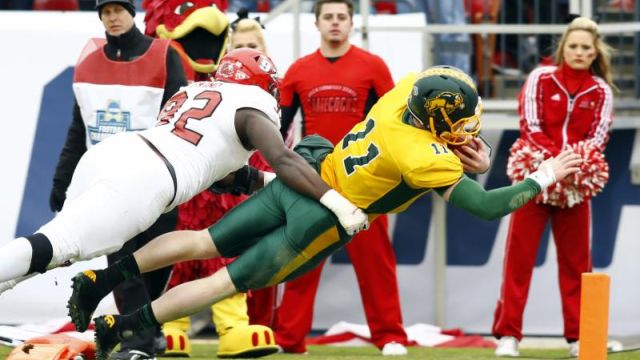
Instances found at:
x=127 y=4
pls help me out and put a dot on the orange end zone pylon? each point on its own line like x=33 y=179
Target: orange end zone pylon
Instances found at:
x=594 y=316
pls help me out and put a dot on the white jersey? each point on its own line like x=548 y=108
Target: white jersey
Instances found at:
x=196 y=132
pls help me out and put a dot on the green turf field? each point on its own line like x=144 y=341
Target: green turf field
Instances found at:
x=204 y=351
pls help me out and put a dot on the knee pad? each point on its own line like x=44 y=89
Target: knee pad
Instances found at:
x=42 y=253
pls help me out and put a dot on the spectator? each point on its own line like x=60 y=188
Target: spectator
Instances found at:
x=336 y=86
x=247 y=33
x=568 y=105
x=449 y=49
x=110 y=104
x=526 y=52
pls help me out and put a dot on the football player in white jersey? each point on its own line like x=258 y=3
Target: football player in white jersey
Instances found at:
x=205 y=134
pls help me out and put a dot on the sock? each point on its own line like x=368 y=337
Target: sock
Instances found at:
x=123 y=269
x=147 y=317
x=141 y=319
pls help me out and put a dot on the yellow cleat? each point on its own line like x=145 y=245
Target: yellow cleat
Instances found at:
x=178 y=343
x=247 y=341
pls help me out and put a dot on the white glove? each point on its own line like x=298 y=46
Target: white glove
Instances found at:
x=351 y=217
x=544 y=176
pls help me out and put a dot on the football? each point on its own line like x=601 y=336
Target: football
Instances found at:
x=471 y=144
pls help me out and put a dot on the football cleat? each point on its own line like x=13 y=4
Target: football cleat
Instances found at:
x=131 y=355
x=84 y=299
x=106 y=336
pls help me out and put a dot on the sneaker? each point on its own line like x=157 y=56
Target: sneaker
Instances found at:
x=507 y=346
x=574 y=348
x=83 y=301
x=106 y=336
x=283 y=351
x=614 y=346
x=394 y=349
x=131 y=355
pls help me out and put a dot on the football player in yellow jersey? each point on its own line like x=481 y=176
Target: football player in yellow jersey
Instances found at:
x=401 y=151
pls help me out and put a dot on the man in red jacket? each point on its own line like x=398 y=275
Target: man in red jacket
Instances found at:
x=336 y=86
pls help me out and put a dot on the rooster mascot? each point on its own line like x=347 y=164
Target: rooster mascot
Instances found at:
x=199 y=31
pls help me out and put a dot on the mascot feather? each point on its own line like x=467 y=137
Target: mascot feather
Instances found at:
x=199 y=31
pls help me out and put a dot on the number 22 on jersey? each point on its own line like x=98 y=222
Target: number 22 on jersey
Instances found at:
x=173 y=105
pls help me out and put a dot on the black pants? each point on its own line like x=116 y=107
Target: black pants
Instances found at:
x=136 y=292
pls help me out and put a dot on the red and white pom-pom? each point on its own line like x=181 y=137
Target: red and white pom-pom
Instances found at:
x=594 y=170
x=590 y=180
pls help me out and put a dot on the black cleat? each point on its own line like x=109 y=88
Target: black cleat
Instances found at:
x=131 y=355
x=84 y=300
x=106 y=336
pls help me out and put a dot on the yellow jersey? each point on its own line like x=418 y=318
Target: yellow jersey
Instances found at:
x=384 y=164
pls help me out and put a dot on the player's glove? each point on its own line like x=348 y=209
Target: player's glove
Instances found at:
x=57 y=198
x=243 y=182
x=351 y=217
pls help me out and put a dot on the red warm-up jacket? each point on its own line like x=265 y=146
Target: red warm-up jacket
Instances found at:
x=560 y=106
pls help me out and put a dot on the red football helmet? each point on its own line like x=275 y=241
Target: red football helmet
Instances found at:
x=250 y=67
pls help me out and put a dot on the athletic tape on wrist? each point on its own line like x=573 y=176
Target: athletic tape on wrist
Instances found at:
x=544 y=176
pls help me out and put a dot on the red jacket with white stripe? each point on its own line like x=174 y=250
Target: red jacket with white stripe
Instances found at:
x=551 y=118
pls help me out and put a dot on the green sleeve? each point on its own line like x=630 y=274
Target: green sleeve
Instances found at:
x=469 y=195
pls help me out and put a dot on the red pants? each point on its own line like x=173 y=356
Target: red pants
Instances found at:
x=572 y=234
x=375 y=265
x=262 y=306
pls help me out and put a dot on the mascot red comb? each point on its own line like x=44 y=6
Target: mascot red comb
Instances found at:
x=199 y=31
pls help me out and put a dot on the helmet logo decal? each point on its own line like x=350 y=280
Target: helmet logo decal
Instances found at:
x=241 y=75
x=225 y=69
x=265 y=65
x=448 y=101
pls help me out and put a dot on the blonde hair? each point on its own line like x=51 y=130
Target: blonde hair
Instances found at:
x=601 y=65
x=250 y=26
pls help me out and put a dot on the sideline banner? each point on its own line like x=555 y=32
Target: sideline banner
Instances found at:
x=35 y=91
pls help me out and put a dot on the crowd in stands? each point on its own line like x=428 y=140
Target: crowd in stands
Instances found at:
x=516 y=53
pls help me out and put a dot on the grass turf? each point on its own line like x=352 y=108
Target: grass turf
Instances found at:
x=207 y=351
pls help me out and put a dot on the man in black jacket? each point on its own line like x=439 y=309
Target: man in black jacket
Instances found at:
x=120 y=89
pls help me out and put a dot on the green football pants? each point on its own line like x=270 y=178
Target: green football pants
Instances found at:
x=277 y=235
